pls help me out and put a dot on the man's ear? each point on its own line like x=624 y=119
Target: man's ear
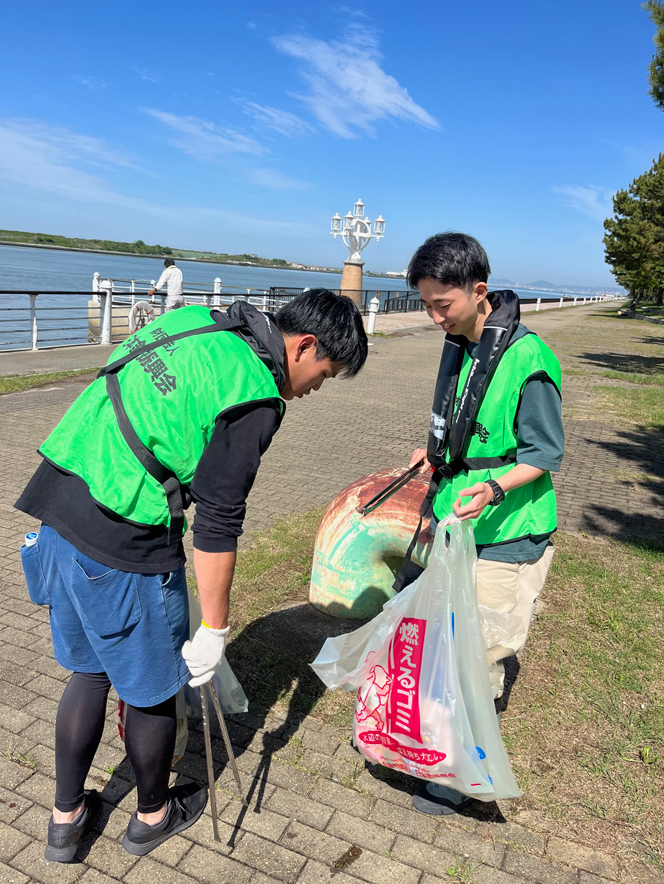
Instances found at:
x=305 y=343
x=480 y=291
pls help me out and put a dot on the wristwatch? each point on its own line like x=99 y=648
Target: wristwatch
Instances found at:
x=498 y=493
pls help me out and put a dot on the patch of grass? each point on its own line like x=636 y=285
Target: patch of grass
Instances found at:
x=11 y=754
x=460 y=870
x=585 y=724
x=631 y=377
x=651 y=310
x=584 y=727
x=19 y=383
x=641 y=406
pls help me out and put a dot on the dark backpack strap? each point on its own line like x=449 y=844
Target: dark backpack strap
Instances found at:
x=229 y=325
x=409 y=571
x=454 y=467
x=166 y=478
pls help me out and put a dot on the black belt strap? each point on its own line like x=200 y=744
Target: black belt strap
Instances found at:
x=203 y=330
x=461 y=464
x=173 y=490
x=409 y=571
x=166 y=478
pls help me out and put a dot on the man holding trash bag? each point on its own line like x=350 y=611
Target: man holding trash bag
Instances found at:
x=496 y=434
x=184 y=411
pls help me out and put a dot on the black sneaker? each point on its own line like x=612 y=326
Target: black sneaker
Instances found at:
x=438 y=800
x=184 y=806
x=64 y=838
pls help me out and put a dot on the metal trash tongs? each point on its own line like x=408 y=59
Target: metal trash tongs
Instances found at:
x=390 y=489
x=208 y=751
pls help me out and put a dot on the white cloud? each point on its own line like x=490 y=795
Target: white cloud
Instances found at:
x=595 y=202
x=40 y=159
x=275 y=180
x=280 y=121
x=349 y=90
x=209 y=143
x=146 y=74
x=53 y=159
x=92 y=83
x=206 y=141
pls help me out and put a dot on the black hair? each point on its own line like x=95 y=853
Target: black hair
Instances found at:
x=452 y=258
x=335 y=322
x=169 y=262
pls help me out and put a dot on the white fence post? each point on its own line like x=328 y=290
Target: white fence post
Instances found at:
x=33 y=320
x=539 y=301
x=575 y=302
x=374 y=304
x=106 y=308
x=153 y=283
x=95 y=286
x=561 y=303
x=216 y=301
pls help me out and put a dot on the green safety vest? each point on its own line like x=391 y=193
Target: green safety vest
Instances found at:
x=172 y=396
x=528 y=512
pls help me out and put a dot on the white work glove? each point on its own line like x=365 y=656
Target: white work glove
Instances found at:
x=204 y=652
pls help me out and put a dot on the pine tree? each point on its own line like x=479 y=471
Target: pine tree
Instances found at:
x=634 y=240
x=656 y=69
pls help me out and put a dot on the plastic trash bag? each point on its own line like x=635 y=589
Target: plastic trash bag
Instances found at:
x=424 y=701
x=229 y=690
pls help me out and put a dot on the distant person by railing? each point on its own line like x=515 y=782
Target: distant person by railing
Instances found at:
x=172 y=279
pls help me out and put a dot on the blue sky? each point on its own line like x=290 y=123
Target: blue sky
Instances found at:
x=244 y=127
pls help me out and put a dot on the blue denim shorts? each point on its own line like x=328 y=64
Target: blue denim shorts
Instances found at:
x=130 y=626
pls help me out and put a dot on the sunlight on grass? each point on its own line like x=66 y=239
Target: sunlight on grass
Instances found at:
x=19 y=383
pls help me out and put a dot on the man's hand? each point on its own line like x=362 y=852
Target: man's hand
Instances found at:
x=481 y=494
x=416 y=456
x=151 y=292
x=204 y=652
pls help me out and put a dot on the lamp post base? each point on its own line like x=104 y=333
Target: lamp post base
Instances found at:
x=351 y=281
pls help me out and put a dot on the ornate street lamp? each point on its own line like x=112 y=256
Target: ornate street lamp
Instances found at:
x=356 y=234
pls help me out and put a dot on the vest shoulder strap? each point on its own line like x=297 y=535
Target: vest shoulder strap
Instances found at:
x=227 y=325
x=166 y=478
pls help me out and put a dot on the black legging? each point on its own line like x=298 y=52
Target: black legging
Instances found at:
x=149 y=741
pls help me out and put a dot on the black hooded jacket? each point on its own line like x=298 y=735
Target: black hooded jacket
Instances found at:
x=220 y=487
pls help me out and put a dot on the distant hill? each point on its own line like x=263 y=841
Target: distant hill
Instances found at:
x=543 y=285
x=55 y=241
x=502 y=282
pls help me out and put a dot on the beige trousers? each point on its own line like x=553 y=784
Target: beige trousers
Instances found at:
x=506 y=594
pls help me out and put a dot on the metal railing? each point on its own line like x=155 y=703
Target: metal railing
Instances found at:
x=30 y=319
x=399 y=301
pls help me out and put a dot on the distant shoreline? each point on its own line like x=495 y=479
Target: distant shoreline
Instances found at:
x=54 y=248
x=339 y=271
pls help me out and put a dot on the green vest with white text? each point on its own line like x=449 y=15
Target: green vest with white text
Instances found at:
x=528 y=512
x=173 y=396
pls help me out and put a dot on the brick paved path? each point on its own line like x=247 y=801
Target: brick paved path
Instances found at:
x=311 y=798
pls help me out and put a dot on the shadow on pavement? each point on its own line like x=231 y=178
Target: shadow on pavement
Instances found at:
x=270 y=659
x=627 y=362
x=641 y=450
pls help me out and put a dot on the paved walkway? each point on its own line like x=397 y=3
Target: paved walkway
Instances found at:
x=311 y=798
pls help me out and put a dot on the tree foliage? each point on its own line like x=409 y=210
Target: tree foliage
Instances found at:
x=634 y=239
x=656 y=69
x=53 y=240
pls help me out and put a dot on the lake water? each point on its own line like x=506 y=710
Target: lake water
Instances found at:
x=43 y=270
